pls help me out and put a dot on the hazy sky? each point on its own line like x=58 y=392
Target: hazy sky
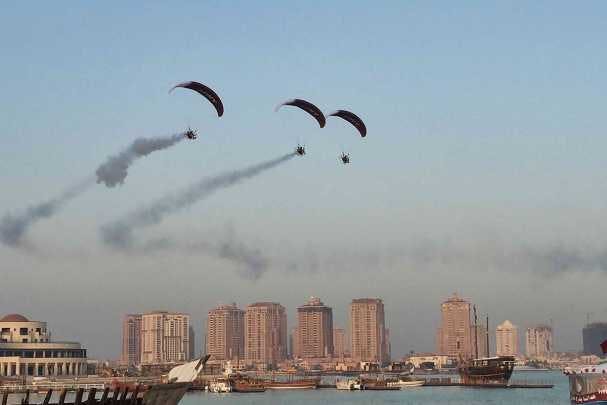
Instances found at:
x=482 y=171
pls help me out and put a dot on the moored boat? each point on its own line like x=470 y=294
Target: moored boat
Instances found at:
x=292 y=385
x=220 y=385
x=588 y=384
x=349 y=384
x=242 y=384
x=377 y=385
x=486 y=370
x=406 y=383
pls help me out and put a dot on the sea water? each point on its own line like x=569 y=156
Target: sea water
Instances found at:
x=421 y=395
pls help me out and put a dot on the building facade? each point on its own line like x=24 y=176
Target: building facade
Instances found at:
x=225 y=333
x=131 y=340
x=265 y=334
x=340 y=343
x=314 y=330
x=429 y=360
x=538 y=341
x=368 y=329
x=294 y=344
x=506 y=339
x=165 y=337
x=26 y=349
x=454 y=336
x=593 y=335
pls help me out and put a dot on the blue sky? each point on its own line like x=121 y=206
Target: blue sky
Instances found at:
x=486 y=138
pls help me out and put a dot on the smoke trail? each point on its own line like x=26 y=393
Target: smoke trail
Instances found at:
x=119 y=234
x=115 y=169
x=14 y=227
x=251 y=262
x=111 y=173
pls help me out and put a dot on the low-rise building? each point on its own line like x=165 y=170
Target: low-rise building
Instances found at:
x=429 y=360
x=26 y=349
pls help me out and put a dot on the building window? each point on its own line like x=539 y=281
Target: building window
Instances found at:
x=23 y=331
x=24 y=340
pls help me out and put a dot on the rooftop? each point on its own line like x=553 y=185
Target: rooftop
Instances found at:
x=14 y=318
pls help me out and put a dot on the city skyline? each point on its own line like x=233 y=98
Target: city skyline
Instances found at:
x=201 y=329
x=224 y=335
x=480 y=172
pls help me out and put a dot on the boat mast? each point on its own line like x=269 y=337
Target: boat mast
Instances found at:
x=487 y=331
x=475 y=334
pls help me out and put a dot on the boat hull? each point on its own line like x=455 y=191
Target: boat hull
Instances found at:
x=407 y=384
x=292 y=385
x=165 y=394
x=496 y=370
x=588 y=388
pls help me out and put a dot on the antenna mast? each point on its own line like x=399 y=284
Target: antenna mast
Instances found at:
x=487 y=331
x=475 y=334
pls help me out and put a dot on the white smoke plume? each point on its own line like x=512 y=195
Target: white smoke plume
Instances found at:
x=119 y=234
x=14 y=227
x=115 y=169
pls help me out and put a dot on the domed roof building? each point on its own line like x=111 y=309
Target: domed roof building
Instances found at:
x=26 y=349
x=14 y=318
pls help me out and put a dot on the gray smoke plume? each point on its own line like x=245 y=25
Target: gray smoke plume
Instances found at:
x=14 y=227
x=115 y=169
x=251 y=262
x=119 y=234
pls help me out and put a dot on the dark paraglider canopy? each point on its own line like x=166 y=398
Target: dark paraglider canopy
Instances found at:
x=352 y=119
x=307 y=107
x=205 y=91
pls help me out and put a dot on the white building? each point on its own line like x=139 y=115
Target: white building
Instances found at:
x=26 y=349
x=424 y=360
x=506 y=339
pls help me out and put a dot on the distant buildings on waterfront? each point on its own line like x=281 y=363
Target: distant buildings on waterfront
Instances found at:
x=265 y=334
x=256 y=336
x=314 y=332
x=538 y=342
x=593 y=335
x=506 y=339
x=369 y=340
x=458 y=336
x=225 y=333
x=26 y=349
x=156 y=338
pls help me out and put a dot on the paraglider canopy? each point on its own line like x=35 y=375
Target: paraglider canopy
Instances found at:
x=205 y=91
x=307 y=107
x=352 y=119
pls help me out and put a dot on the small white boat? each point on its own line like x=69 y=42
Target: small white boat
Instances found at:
x=349 y=384
x=220 y=386
x=406 y=383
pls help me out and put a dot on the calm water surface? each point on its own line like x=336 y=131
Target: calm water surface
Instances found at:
x=422 y=395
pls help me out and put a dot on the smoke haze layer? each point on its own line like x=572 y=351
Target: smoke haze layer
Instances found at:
x=115 y=168
x=250 y=261
x=119 y=234
x=14 y=227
